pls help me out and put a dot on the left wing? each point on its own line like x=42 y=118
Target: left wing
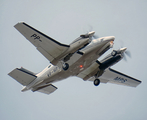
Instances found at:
x=89 y=72
x=116 y=77
x=109 y=75
x=49 y=47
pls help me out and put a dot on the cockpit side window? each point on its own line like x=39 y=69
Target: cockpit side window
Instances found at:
x=101 y=39
x=49 y=66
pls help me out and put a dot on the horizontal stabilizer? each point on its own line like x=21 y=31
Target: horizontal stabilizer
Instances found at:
x=48 y=89
x=23 y=76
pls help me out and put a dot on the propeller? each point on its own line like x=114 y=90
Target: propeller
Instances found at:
x=90 y=30
x=123 y=51
x=125 y=54
x=95 y=36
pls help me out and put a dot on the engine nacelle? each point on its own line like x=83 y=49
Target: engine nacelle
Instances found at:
x=109 y=61
x=88 y=35
x=78 y=44
x=75 y=46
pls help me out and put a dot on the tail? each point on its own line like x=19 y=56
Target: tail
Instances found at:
x=23 y=76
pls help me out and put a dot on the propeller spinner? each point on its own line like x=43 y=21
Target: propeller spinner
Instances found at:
x=123 y=51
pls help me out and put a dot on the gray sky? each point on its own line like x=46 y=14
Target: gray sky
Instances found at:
x=64 y=21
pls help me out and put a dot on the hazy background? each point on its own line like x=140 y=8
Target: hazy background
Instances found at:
x=65 y=20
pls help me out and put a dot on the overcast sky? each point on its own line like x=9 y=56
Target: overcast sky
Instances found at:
x=65 y=20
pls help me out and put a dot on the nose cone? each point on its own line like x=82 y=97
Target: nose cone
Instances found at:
x=112 y=37
x=109 y=38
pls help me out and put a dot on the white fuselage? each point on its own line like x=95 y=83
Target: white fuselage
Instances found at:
x=77 y=63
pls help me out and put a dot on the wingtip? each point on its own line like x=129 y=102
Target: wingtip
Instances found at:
x=21 y=22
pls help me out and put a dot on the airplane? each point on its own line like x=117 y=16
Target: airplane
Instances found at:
x=80 y=58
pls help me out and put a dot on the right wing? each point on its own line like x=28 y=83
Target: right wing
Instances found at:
x=49 y=47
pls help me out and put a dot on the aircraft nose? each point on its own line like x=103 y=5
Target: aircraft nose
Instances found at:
x=110 y=38
x=113 y=37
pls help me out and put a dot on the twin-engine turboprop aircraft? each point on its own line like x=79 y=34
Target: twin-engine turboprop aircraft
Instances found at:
x=77 y=59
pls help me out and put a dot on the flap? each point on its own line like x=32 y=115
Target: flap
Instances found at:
x=87 y=73
x=101 y=80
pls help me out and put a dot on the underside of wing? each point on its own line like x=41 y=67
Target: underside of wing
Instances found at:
x=116 y=77
x=49 y=47
x=90 y=71
x=108 y=76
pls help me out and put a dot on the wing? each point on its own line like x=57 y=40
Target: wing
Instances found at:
x=89 y=72
x=49 y=47
x=109 y=75
x=115 y=77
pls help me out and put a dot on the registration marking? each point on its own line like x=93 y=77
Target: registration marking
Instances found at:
x=120 y=79
x=36 y=37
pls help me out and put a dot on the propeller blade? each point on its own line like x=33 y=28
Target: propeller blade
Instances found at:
x=95 y=36
x=90 y=28
x=124 y=57
x=128 y=53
